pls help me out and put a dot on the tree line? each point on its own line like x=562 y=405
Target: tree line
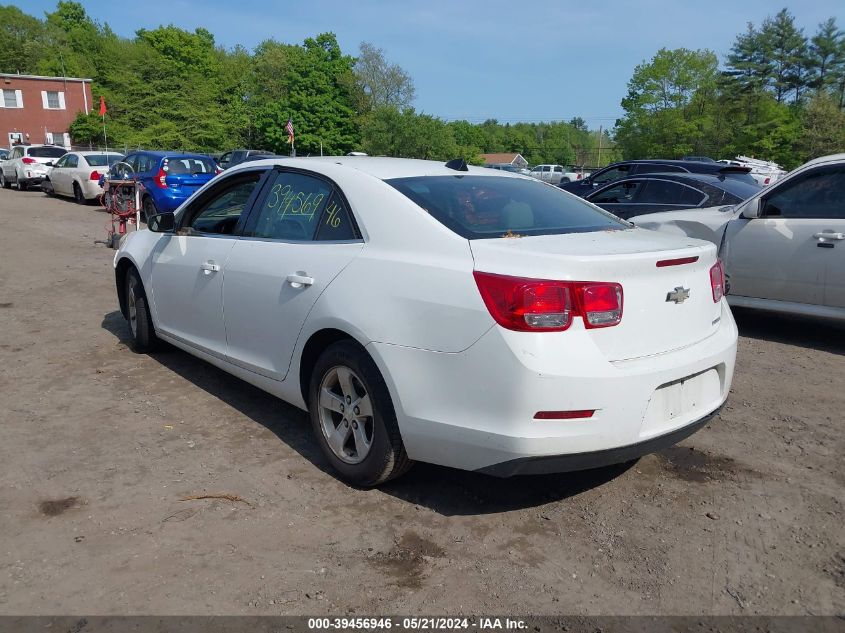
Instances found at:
x=780 y=96
x=168 y=88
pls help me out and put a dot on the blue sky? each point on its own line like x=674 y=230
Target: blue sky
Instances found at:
x=473 y=59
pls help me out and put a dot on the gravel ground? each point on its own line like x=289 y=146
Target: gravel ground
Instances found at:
x=101 y=448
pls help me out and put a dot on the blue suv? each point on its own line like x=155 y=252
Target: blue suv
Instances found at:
x=169 y=178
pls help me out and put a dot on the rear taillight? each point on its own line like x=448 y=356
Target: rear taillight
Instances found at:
x=217 y=171
x=767 y=180
x=95 y=175
x=161 y=179
x=543 y=305
x=601 y=304
x=26 y=160
x=579 y=176
x=717 y=280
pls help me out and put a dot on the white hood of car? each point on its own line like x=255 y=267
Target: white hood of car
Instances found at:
x=704 y=224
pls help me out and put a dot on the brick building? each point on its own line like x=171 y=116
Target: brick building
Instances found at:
x=37 y=109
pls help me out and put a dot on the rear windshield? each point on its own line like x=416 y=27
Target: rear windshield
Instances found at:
x=46 y=152
x=739 y=187
x=100 y=160
x=191 y=165
x=739 y=176
x=479 y=207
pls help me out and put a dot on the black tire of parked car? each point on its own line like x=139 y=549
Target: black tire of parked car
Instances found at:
x=3 y=182
x=387 y=458
x=148 y=208
x=20 y=184
x=144 y=339
x=78 y=195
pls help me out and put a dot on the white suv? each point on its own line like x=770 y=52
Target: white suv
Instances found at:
x=27 y=165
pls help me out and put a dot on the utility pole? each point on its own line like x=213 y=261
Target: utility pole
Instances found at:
x=598 y=160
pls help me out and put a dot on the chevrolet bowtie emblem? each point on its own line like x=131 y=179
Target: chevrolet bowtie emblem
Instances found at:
x=678 y=295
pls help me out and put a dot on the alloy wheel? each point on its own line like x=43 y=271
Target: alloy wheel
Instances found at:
x=131 y=307
x=346 y=415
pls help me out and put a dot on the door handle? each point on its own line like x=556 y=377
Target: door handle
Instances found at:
x=829 y=236
x=209 y=267
x=299 y=281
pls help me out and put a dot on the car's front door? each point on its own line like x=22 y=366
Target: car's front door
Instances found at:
x=188 y=266
x=298 y=238
x=57 y=174
x=66 y=174
x=795 y=251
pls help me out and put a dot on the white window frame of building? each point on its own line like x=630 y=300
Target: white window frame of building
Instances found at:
x=18 y=98
x=58 y=99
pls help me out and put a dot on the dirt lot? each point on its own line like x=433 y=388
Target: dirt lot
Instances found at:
x=99 y=446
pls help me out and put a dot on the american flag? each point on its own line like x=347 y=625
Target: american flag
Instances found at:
x=289 y=130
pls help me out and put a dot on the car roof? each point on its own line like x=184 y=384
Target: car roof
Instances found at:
x=163 y=154
x=380 y=167
x=89 y=152
x=832 y=158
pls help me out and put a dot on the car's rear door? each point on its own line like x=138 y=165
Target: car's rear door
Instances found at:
x=796 y=250
x=188 y=266
x=298 y=238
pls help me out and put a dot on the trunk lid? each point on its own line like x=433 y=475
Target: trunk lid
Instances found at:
x=651 y=323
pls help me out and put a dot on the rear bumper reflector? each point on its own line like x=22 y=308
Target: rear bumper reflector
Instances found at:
x=564 y=415
x=680 y=261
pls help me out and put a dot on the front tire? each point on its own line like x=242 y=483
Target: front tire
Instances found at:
x=144 y=338
x=3 y=182
x=353 y=417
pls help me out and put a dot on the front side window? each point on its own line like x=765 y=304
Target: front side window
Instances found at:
x=61 y=162
x=479 y=207
x=72 y=161
x=817 y=194
x=101 y=160
x=611 y=174
x=218 y=212
x=292 y=209
x=622 y=193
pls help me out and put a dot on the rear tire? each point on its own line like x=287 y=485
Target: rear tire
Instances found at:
x=148 y=208
x=144 y=339
x=78 y=195
x=21 y=186
x=353 y=417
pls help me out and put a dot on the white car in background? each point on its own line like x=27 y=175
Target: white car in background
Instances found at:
x=77 y=174
x=449 y=314
x=783 y=248
x=27 y=165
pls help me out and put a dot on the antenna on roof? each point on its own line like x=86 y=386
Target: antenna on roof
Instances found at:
x=458 y=164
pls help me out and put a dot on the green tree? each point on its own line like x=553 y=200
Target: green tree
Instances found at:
x=668 y=103
x=822 y=128
x=22 y=41
x=785 y=48
x=826 y=55
x=381 y=83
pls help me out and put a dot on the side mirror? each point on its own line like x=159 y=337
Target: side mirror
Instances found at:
x=161 y=223
x=752 y=209
x=49 y=163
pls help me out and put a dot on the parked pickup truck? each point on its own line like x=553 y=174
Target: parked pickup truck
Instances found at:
x=556 y=174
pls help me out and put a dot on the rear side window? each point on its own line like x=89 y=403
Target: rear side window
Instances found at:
x=46 y=152
x=654 y=168
x=187 y=165
x=292 y=209
x=101 y=160
x=478 y=207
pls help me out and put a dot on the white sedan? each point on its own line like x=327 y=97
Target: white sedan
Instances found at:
x=77 y=174
x=438 y=313
x=783 y=248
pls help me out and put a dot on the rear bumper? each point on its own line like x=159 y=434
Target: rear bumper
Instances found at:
x=91 y=189
x=475 y=409
x=595 y=459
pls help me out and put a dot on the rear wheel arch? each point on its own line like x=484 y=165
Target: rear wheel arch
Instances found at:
x=317 y=343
